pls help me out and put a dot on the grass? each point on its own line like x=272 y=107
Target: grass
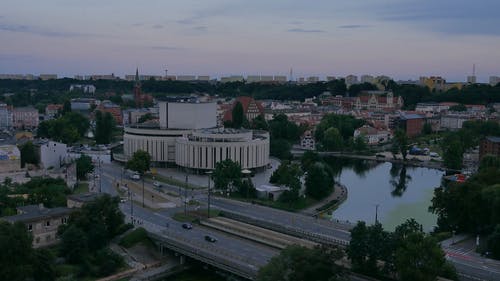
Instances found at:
x=82 y=187
x=300 y=204
x=135 y=237
x=328 y=206
x=175 y=182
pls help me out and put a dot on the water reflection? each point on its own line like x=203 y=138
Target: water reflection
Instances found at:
x=359 y=166
x=399 y=179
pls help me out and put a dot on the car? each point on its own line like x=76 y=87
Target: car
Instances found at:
x=210 y=239
x=135 y=177
x=380 y=156
x=187 y=226
x=157 y=184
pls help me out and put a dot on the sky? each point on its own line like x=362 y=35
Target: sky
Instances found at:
x=403 y=39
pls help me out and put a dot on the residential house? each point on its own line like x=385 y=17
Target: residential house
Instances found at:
x=372 y=135
x=25 y=118
x=489 y=145
x=52 y=110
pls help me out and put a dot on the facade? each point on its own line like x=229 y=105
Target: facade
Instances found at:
x=52 y=110
x=187 y=115
x=494 y=80
x=82 y=104
x=42 y=222
x=489 y=146
x=5 y=117
x=51 y=153
x=10 y=159
x=86 y=88
x=25 y=117
x=203 y=149
x=377 y=100
x=251 y=108
x=307 y=141
x=412 y=124
x=113 y=109
x=372 y=135
x=453 y=122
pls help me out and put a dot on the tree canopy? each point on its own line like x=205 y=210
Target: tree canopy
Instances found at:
x=104 y=125
x=84 y=166
x=140 y=162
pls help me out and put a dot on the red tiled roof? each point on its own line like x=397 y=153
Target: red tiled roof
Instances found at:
x=54 y=106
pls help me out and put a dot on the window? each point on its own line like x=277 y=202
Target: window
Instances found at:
x=47 y=223
x=64 y=220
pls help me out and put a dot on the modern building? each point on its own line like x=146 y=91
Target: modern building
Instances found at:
x=5 y=116
x=351 y=80
x=42 y=222
x=203 y=149
x=48 y=76
x=490 y=146
x=51 y=154
x=367 y=78
x=25 y=118
x=187 y=136
x=454 y=121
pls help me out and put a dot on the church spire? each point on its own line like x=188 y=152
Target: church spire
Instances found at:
x=137 y=76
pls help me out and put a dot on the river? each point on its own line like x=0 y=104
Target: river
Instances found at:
x=400 y=192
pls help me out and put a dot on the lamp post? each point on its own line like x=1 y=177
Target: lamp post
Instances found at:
x=376 y=213
x=209 y=174
x=246 y=173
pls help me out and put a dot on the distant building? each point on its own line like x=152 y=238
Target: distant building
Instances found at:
x=494 y=80
x=186 y=78
x=5 y=117
x=48 y=76
x=490 y=146
x=351 y=80
x=251 y=108
x=25 y=118
x=52 y=110
x=101 y=77
x=89 y=89
x=372 y=135
x=471 y=79
x=412 y=124
x=367 y=79
x=307 y=141
x=140 y=98
x=78 y=200
x=10 y=159
x=41 y=222
x=113 y=109
x=433 y=82
x=232 y=78
x=454 y=121
x=82 y=104
x=51 y=154
x=377 y=100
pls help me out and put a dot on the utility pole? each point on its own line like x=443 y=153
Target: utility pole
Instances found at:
x=185 y=195
x=142 y=176
x=376 y=213
x=209 y=173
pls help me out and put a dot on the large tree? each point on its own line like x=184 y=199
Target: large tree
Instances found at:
x=140 y=162
x=104 y=125
x=238 y=116
x=332 y=140
x=319 y=181
x=28 y=154
x=227 y=174
x=296 y=263
x=15 y=252
x=83 y=166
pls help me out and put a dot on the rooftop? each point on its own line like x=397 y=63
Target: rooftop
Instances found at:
x=493 y=139
x=36 y=213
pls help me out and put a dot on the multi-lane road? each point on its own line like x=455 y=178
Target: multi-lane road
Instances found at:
x=469 y=267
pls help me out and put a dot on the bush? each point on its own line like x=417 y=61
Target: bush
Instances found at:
x=124 y=228
x=134 y=237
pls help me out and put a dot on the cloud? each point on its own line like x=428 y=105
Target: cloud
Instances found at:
x=157 y=26
x=40 y=31
x=200 y=28
x=187 y=21
x=301 y=30
x=353 y=26
x=296 y=22
x=166 y=48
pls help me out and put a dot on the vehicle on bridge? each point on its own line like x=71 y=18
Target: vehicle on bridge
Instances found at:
x=187 y=226
x=210 y=239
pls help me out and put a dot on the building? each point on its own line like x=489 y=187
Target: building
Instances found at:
x=101 y=77
x=307 y=141
x=78 y=200
x=5 y=116
x=51 y=154
x=377 y=100
x=367 y=79
x=433 y=82
x=132 y=116
x=251 y=108
x=52 y=110
x=48 y=76
x=471 y=79
x=41 y=222
x=489 y=146
x=82 y=104
x=203 y=149
x=139 y=97
x=10 y=159
x=187 y=136
x=372 y=135
x=232 y=78
x=113 y=109
x=494 y=80
x=412 y=124
x=86 y=88
x=454 y=121
x=25 y=118
x=351 y=80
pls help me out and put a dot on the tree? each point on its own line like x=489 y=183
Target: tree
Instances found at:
x=15 y=252
x=140 y=162
x=66 y=107
x=104 y=124
x=226 y=174
x=319 y=181
x=453 y=151
x=145 y=117
x=238 y=115
x=401 y=141
x=332 y=140
x=28 y=154
x=84 y=166
x=494 y=242
x=458 y=107
x=43 y=265
x=297 y=263
x=74 y=244
x=427 y=129
x=259 y=123
x=280 y=148
x=359 y=144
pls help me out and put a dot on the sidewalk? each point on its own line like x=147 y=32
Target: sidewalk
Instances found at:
x=339 y=194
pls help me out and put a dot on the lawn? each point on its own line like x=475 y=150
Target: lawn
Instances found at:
x=82 y=187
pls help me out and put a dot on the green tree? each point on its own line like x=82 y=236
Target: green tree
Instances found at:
x=493 y=242
x=84 y=166
x=227 y=174
x=280 y=148
x=360 y=144
x=140 y=162
x=458 y=107
x=401 y=141
x=319 y=181
x=427 y=129
x=332 y=140
x=296 y=263
x=28 y=154
x=74 y=246
x=308 y=159
x=145 y=117
x=104 y=124
x=259 y=123
x=238 y=115
x=15 y=252
x=43 y=265
x=453 y=151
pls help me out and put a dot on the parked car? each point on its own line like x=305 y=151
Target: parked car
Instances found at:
x=187 y=226
x=156 y=184
x=210 y=239
x=135 y=177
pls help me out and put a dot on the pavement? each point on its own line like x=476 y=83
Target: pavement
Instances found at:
x=339 y=193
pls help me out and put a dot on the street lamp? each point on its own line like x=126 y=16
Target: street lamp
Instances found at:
x=247 y=172
x=209 y=174
x=376 y=213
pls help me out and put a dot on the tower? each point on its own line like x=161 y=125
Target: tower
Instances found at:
x=472 y=79
x=137 y=89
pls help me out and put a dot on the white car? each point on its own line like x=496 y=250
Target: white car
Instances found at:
x=135 y=177
x=156 y=184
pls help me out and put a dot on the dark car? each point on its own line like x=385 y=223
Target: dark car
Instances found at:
x=210 y=238
x=187 y=226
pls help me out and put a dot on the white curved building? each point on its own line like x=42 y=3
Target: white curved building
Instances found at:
x=186 y=136
x=204 y=148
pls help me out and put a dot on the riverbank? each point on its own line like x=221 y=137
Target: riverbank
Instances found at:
x=337 y=197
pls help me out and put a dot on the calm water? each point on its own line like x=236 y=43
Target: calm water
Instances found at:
x=400 y=192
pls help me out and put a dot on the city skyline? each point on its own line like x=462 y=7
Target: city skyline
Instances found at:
x=401 y=39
